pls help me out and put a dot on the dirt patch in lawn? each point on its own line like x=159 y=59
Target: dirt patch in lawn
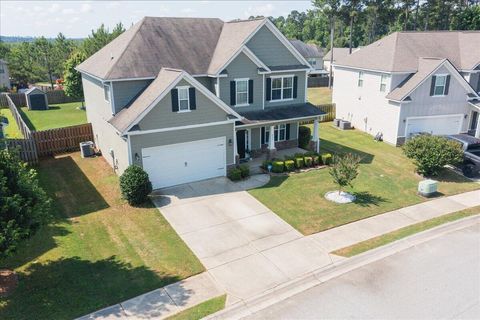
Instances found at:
x=8 y=282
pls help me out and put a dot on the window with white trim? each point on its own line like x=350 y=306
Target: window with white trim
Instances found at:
x=183 y=99
x=241 y=86
x=282 y=88
x=279 y=133
x=440 y=84
x=312 y=61
x=106 y=92
x=383 y=82
x=360 y=79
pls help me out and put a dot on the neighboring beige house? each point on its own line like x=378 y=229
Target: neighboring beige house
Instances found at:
x=412 y=82
x=338 y=53
x=187 y=98
x=4 y=75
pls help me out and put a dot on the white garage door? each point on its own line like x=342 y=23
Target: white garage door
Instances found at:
x=185 y=162
x=437 y=125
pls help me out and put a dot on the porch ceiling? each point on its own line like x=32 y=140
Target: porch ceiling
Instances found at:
x=300 y=111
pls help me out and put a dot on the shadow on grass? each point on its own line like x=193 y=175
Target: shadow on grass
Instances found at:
x=54 y=107
x=71 y=287
x=335 y=148
x=449 y=175
x=275 y=181
x=366 y=199
x=27 y=121
x=72 y=192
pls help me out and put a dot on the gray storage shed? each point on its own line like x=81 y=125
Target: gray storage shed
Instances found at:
x=36 y=99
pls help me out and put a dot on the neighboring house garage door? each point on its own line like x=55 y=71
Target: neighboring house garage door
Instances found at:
x=185 y=162
x=437 y=125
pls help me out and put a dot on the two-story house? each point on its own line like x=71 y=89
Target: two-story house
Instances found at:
x=412 y=82
x=187 y=98
x=313 y=54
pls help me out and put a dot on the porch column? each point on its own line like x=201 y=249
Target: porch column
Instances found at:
x=315 y=135
x=271 y=139
x=235 y=150
x=477 y=131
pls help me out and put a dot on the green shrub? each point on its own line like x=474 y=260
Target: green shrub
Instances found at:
x=278 y=166
x=344 y=170
x=304 y=135
x=316 y=160
x=289 y=165
x=326 y=159
x=299 y=163
x=308 y=161
x=298 y=155
x=24 y=205
x=235 y=174
x=244 y=170
x=431 y=153
x=135 y=185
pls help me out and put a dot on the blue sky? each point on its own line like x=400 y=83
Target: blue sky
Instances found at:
x=78 y=18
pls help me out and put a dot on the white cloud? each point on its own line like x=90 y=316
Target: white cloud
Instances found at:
x=68 y=11
x=113 y=4
x=259 y=10
x=54 y=8
x=86 y=7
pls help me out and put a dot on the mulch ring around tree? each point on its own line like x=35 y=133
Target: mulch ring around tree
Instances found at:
x=8 y=282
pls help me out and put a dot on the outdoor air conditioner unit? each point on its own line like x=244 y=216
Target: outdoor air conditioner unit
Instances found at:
x=336 y=122
x=427 y=188
x=345 y=125
x=86 y=148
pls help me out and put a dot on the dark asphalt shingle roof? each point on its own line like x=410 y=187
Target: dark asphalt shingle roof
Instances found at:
x=282 y=113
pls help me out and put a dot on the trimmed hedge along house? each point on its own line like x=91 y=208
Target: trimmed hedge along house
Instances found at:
x=187 y=98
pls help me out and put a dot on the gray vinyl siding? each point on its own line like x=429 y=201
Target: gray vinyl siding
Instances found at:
x=125 y=91
x=207 y=82
x=105 y=136
x=425 y=105
x=137 y=142
x=162 y=116
x=243 y=67
x=300 y=90
x=266 y=46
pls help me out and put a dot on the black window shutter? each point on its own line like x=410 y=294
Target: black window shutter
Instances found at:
x=250 y=91
x=193 y=99
x=432 y=85
x=263 y=135
x=233 y=93
x=287 y=131
x=295 y=86
x=447 y=84
x=174 y=94
x=269 y=89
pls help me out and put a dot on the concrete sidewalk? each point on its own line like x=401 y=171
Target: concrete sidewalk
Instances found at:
x=375 y=226
x=163 y=302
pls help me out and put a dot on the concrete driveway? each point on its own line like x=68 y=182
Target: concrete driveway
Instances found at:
x=246 y=247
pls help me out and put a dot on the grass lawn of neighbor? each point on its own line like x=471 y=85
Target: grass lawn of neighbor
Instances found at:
x=201 y=310
x=12 y=130
x=320 y=95
x=405 y=232
x=99 y=251
x=57 y=116
x=386 y=181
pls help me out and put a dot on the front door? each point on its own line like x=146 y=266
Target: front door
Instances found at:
x=473 y=123
x=241 y=143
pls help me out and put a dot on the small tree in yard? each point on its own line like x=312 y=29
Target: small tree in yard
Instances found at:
x=135 y=185
x=431 y=153
x=73 y=78
x=344 y=170
x=24 y=205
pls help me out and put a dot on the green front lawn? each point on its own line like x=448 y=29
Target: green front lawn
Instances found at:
x=57 y=116
x=201 y=310
x=319 y=95
x=12 y=130
x=98 y=252
x=386 y=182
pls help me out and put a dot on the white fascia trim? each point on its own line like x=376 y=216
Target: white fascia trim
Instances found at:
x=92 y=76
x=131 y=79
x=112 y=98
x=262 y=124
x=374 y=70
x=193 y=126
x=474 y=105
x=129 y=150
x=286 y=43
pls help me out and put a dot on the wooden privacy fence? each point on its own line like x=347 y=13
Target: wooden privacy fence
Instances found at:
x=54 y=97
x=44 y=143
x=314 y=82
x=329 y=110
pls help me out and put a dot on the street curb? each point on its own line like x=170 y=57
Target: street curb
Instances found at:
x=250 y=306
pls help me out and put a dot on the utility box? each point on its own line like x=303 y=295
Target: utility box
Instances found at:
x=86 y=149
x=345 y=125
x=427 y=188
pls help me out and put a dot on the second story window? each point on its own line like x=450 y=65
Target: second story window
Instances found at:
x=282 y=88
x=183 y=99
x=106 y=92
x=242 y=92
x=440 y=84
x=360 y=79
x=313 y=62
x=383 y=82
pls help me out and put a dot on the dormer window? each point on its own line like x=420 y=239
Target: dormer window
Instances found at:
x=183 y=99
x=440 y=85
x=360 y=79
x=383 y=82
